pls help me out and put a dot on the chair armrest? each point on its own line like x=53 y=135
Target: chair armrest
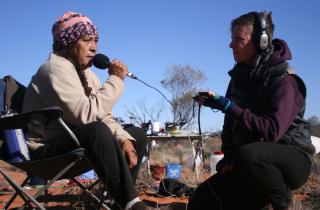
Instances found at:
x=21 y=120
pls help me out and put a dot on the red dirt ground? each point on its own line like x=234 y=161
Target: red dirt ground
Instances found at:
x=64 y=195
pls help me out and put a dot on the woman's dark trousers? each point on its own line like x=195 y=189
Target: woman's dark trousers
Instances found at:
x=105 y=154
x=264 y=173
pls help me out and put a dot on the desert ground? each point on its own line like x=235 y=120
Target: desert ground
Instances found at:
x=66 y=195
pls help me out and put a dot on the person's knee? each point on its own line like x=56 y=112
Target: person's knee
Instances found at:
x=99 y=128
x=96 y=132
x=250 y=154
x=139 y=135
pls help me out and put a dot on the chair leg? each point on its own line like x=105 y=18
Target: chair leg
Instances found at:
x=24 y=195
x=93 y=196
x=13 y=197
x=46 y=195
x=103 y=198
x=43 y=189
x=60 y=174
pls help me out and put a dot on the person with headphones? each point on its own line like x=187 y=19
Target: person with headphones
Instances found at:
x=266 y=142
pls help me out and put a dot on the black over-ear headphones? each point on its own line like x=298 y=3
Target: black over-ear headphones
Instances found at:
x=260 y=37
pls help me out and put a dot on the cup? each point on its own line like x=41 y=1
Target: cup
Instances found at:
x=155 y=127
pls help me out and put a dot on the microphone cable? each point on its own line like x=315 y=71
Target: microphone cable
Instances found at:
x=193 y=106
x=200 y=149
x=136 y=78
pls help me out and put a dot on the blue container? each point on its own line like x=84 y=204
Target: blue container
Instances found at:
x=174 y=170
x=15 y=145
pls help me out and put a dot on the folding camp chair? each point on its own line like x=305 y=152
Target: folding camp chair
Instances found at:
x=65 y=166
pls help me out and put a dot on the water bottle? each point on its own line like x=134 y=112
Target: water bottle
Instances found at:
x=14 y=142
x=149 y=131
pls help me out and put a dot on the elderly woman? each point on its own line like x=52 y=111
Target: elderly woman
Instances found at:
x=65 y=80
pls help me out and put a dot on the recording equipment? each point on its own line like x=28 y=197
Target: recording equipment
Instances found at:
x=203 y=96
x=102 y=61
x=260 y=36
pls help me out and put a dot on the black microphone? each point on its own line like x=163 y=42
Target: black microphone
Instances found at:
x=102 y=61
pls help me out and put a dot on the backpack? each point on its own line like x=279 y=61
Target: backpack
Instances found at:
x=12 y=94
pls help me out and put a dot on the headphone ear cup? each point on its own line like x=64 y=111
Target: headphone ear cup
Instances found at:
x=264 y=41
x=261 y=38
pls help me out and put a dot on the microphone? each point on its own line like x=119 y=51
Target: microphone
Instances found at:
x=132 y=76
x=102 y=61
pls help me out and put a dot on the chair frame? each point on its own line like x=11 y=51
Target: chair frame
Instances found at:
x=77 y=159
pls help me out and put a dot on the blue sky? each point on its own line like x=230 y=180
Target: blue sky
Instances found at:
x=152 y=35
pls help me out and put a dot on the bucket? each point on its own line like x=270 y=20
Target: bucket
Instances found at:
x=174 y=170
x=214 y=159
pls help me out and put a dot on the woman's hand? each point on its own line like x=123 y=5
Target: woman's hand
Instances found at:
x=130 y=153
x=118 y=69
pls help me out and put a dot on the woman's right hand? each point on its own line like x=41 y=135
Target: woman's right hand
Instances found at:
x=118 y=69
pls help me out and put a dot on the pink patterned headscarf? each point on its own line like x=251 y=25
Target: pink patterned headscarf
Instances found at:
x=72 y=26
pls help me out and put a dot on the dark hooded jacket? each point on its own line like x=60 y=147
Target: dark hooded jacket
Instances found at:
x=269 y=106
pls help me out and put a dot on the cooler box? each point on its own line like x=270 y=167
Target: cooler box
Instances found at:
x=15 y=145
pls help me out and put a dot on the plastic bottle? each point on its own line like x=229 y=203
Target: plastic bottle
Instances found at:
x=149 y=131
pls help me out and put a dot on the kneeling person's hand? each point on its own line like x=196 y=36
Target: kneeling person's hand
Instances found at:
x=214 y=101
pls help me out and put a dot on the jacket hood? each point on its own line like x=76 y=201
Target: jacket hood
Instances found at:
x=281 y=52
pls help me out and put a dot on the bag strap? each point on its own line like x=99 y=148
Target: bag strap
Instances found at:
x=300 y=82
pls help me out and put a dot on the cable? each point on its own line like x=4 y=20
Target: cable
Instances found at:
x=215 y=195
x=199 y=125
x=181 y=123
x=200 y=148
x=156 y=90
